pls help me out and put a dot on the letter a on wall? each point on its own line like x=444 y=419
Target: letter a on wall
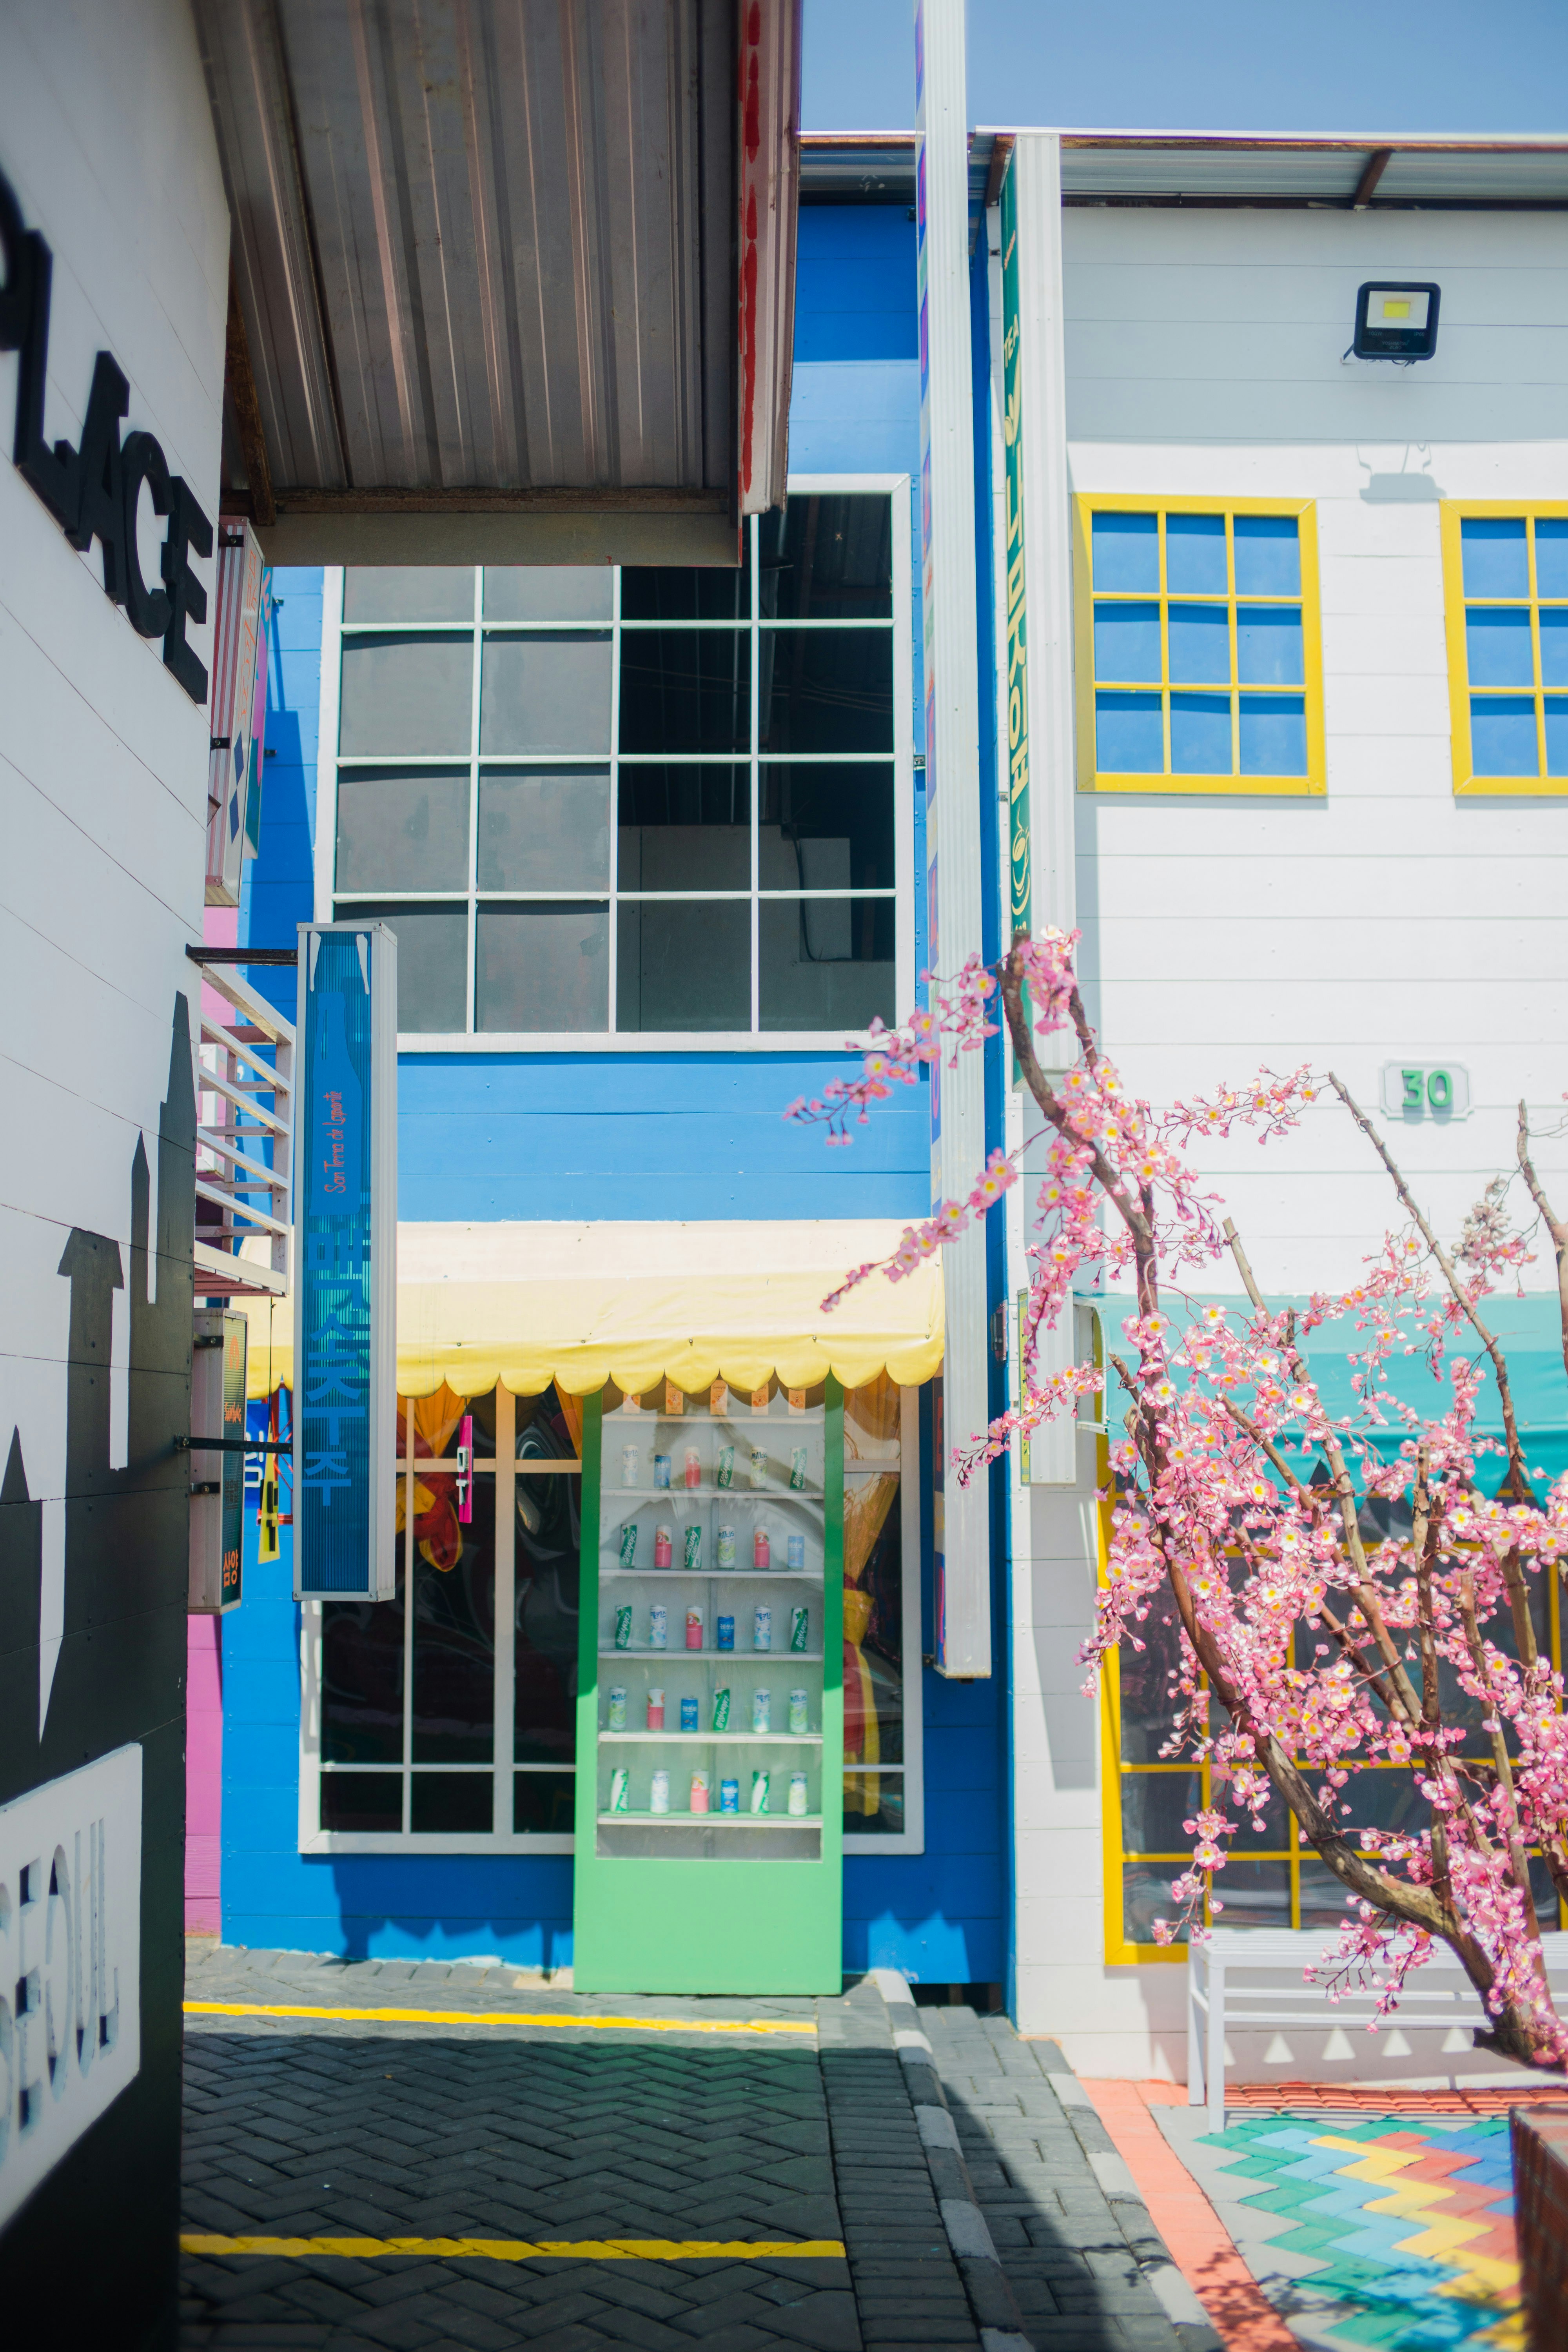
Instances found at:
x=345 y=1260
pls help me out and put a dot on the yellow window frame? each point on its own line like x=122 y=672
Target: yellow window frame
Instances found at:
x=1452 y=514
x=1120 y=1951
x=1090 y=779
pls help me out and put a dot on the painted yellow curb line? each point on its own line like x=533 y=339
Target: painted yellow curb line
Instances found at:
x=504 y=2017
x=520 y=2250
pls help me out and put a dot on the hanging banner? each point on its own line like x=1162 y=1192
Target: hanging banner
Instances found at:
x=346 y=1261
x=1017 y=624
x=238 y=712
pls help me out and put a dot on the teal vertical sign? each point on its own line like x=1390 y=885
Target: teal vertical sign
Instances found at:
x=345 y=1262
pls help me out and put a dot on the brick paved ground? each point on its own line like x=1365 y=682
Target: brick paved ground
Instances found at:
x=303 y=2129
x=1073 y=2236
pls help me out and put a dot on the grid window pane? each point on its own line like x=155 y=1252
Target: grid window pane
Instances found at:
x=1200 y=734
x=685 y=828
x=1496 y=558
x=1553 y=646
x=873 y=1804
x=1126 y=553
x=1323 y=1899
x=686 y=691
x=1267 y=551
x=829 y=557
x=1273 y=735
x=702 y=593
x=406 y=696
x=1552 y=555
x=543 y=592
x=826 y=691
x=458 y=1803
x=1146 y=1704
x=1127 y=642
x=544 y=966
x=684 y=964
x=1556 y=737
x=361 y=1802
x=1194 y=555
x=543 y=1803
x=403 y=829
x=1130 y=734
x=361 y=1680
x=1255 y=1895
x=432 y=962
x=1497 y=646
x=822 y=828
x=1146 y=1896
x=1268 y=650
x=546 y=694
x=1200 y=644
x=544 y=829
x=1153 y=1807
x=1502 y=735
x=405 y=593
x=454 y=1623
x=825 y=963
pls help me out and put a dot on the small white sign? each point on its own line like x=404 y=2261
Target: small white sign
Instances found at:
x=70 y=1947
x=1425 y=1090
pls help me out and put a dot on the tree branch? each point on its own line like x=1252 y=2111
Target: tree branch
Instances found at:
x=1553 y=1223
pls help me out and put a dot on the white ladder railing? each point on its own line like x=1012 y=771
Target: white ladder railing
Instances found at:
x=245 y=1137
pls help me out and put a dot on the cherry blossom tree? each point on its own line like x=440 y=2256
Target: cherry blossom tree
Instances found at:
x=1347 y=1591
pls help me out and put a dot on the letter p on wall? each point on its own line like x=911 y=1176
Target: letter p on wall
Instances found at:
x=70 y=1945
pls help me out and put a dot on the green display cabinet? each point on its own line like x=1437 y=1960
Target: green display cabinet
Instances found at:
x=670 y=1897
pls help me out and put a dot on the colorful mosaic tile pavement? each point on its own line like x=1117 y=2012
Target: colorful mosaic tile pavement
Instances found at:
x=1402 y=2235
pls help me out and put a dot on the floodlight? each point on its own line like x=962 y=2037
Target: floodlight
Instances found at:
x=1397 y=322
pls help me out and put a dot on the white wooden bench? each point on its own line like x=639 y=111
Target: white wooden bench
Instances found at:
x=1249 y=1977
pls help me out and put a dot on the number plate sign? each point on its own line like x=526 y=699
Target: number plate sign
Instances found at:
x=1425 y=1090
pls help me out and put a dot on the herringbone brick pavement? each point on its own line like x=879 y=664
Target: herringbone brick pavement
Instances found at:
x=302 y=2128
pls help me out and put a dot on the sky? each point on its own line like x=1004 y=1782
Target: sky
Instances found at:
x=1349 y=66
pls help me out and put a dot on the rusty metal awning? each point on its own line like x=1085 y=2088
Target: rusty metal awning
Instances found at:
x=512 y=280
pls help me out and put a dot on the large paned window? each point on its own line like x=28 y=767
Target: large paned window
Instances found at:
x=619 y=803
x=444 y=1720
x=1505 y=582
x=1198 y=662
x=1272 y=1879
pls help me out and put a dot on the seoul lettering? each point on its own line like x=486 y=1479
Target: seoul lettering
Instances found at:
x=94 y=492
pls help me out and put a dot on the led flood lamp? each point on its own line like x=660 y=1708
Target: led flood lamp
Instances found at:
x=1396 y=323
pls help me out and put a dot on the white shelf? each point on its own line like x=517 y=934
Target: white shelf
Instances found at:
x=710 y=1739
x=799 y=1657
x=711 y=1820
x=705 y=1494
x=712 y=1575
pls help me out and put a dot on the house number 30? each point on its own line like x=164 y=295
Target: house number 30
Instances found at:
x=1425 y=1090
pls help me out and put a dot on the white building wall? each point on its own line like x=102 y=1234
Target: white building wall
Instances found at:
x=1384 y=920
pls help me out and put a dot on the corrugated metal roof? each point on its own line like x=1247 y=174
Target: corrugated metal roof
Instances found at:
x=492 y=247
x=1165 y=167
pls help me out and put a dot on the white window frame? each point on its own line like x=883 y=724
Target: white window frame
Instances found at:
x=501 y=1838
x=896 y=487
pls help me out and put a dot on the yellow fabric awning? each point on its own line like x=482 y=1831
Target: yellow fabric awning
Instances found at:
x=528 y=1304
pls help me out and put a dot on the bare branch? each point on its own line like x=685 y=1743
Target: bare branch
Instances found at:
x=1552 y=1223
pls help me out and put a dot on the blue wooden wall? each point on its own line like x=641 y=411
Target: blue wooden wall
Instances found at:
x=618 y=1135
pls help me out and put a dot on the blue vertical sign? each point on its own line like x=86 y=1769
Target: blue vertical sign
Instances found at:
x=345 y=1262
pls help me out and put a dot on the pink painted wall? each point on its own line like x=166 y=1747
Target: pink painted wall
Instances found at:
x=204 y=1776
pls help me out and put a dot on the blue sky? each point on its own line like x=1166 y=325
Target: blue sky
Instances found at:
x=1214 y=65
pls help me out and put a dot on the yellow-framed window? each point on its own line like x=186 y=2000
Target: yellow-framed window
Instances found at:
x=1272 y=1879
x=1505 y=599
x=1199 y=647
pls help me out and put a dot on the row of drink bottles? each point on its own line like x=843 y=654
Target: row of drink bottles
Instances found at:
x=723 y=1628
x=724 y=1548
x=633 y=1457
x=798 y=1802
x=762 y=1711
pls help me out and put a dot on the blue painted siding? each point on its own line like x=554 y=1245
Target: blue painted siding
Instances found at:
x=644 y=1136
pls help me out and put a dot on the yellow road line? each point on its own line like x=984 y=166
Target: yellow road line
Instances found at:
x=504 y=2017
x=521 y=2249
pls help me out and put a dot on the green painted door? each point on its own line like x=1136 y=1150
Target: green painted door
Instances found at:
x=709 y=1842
